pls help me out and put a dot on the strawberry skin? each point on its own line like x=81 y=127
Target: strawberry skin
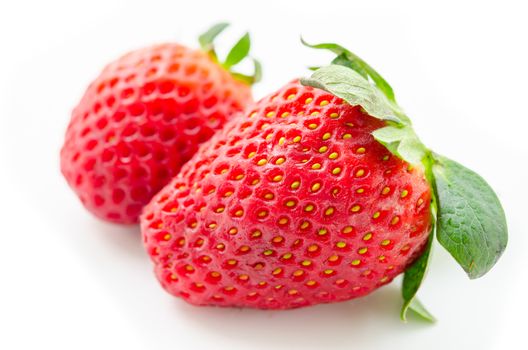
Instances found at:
x=140 y=121
x=292 y=205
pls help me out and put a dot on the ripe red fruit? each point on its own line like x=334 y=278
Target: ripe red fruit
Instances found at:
x=142 y=119
x=292 y=205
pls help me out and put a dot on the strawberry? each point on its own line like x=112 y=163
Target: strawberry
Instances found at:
x=144 y=117
x=322 y=192
x=293 y=205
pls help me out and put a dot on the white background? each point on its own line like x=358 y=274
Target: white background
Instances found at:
x=69 y=281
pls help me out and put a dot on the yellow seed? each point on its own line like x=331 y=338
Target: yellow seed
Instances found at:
x=290 y=97
x=283 y=221
x=277 y=239
x=384 y=279
x=420 y=201
x=296 y=139
x=362 y=250
x=264 y=126
x=220 y=246
x=189 y=268
x=290 y=204
x=194 y=224
x=312 y=126
x=280 y=160
x=306 y=263
x=285 y=114
x=278 y=286
x=298 y=273
x=305 y=225
x=228 y=194
x=277 y=271
x=368 y=236
x=366 y=272
x=381 y=257
x=231 y=262
x=334 y=115
x=333 y=258
x=287 y=256
x=333 y=155
x=244 y=248
x=360 y=150
x=259 y=266
x=316 y=186
x=295 y=185
x=385 y=190
x=355 y=208
x=341 y=245
x=252 y=115
x=395 y=220
x=355 y=262
x=239 y=213
x=269 y=196
x=251 y=154
x=313 y=248
x=243 y=277
x=323 y=149
x=262 y=213
x=322 y=231
x=314 y=113
x=309 y=208
x=262 y=161
x=385 y=242
x=311 y=283
x=282 y=140
x=347 y=136
x=256 y=234
x=329 y=211
x=336 y=171
x=323 y=103
x=254 y=182
x=269 y=136
x=277 y=178
x=326 y=136
x=212 y=225
x=404 y=193
x=293 y=292
x=385 y=158
x=308 y=100
x=270 y=114
x=268 y=252
x=349 y=124
x=239 y=177
x=376 y=215
x=347 y=229
x=316 y=166
x=328 y=271
x=360 y=173
x=360 y=190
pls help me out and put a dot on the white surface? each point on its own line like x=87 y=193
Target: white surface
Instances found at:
x=69 y=281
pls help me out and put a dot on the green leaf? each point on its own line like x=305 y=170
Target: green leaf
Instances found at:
x=207 y=38
x=354 y=89
x=403 y=142
x=238 y=52
x=412 y=281
x=471 y=221
x=250 y=79
x=351 y=60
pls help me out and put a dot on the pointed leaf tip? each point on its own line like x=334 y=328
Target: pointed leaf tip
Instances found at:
x=206 y=39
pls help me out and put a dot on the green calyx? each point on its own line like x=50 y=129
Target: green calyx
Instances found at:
x=467 y=218
x=237 y=54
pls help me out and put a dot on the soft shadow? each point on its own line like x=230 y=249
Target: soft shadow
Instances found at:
x=318 y=327
x=122 y=237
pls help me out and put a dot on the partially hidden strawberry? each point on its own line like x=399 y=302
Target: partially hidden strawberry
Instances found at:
x=144 y=117
x=321 y=193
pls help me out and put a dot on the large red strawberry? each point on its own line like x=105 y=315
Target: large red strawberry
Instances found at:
x=144 y=117
x=309 y=198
